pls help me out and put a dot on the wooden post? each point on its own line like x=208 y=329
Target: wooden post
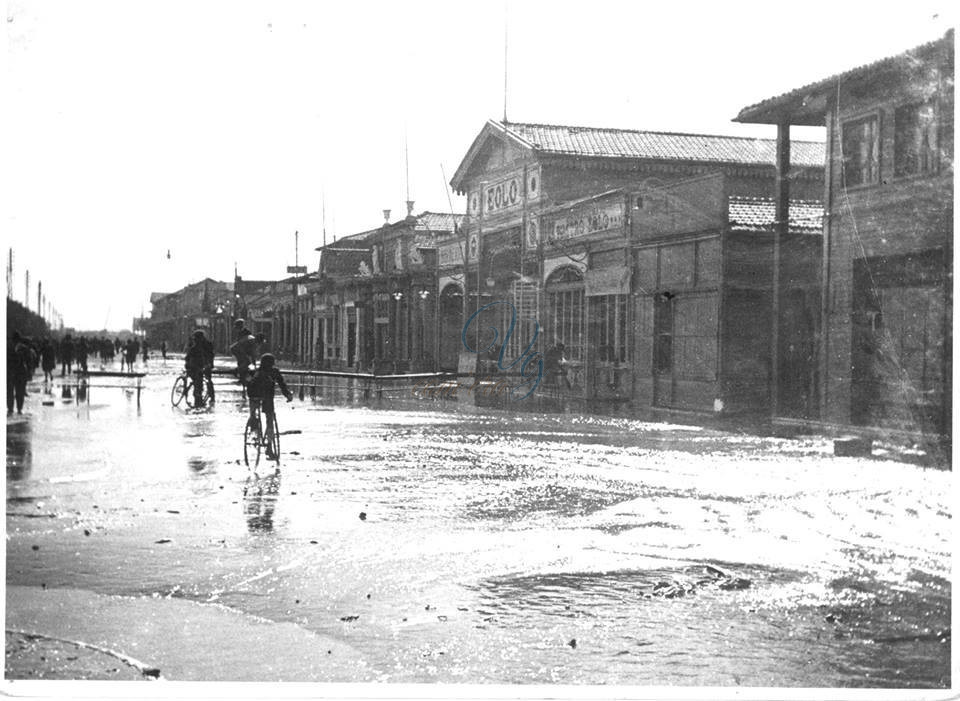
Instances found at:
x=781 y=228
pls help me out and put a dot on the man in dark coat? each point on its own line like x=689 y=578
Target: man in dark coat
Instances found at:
x=66 y=355
x=20 y=364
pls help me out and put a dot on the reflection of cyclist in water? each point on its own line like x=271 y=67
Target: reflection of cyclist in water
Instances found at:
x=261 y=389
x=259 y=501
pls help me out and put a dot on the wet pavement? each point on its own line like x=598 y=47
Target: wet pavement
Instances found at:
x=405 y=542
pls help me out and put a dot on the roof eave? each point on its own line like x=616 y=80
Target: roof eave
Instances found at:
x=804 y=108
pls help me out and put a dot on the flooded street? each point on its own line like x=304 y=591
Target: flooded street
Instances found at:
x=418 y=542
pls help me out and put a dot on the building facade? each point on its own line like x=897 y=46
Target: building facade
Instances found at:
x=584 y=230
x=205 y=305
x=887 y=263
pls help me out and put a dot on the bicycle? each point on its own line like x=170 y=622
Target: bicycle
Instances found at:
x=255 y=442
x=183 y=391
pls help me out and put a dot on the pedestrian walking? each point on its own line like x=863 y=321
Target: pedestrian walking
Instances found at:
x=48 y=360
x=131 y=349
x=82 y=350
x=66 y=355
x=163 y=349
x=145 y=351
x=20 y=363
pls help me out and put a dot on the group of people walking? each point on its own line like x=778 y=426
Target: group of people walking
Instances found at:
x=26 y=355
x=256 y=372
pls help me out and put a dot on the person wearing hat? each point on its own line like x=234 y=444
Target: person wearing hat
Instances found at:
x=261 y=389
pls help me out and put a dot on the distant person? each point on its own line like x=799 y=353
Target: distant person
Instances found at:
x=20 y=364
x=117 y=345
x=48 y=360
x=163 y=349
x=66 y=355
x=261 y=389
x=131 y=349
x=81 y=351
x=145 y=351
x=554 y=366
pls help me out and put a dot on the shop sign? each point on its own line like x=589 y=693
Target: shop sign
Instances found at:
x=586 y=221
x=503 y=195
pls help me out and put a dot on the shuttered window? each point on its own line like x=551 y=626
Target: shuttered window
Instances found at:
x=915 y=140
x=861 y=151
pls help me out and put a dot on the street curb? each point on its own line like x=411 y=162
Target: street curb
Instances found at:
x=151 y=673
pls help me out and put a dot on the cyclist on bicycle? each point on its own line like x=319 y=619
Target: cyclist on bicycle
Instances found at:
x=261 y=388
x=244 y=350
x=198 y=363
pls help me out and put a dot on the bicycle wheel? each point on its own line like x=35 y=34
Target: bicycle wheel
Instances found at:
x=179 y=391
x=252 y=442
x=275 y=441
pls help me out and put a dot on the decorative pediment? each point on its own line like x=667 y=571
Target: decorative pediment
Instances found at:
x=494 y=149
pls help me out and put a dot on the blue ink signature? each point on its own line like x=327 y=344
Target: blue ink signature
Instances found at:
x=527 y=356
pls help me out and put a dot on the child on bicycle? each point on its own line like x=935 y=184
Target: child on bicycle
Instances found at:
x=261 y=388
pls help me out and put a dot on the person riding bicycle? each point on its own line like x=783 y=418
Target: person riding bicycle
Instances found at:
x=244 y=350
x=199 y=363
x=261 y=388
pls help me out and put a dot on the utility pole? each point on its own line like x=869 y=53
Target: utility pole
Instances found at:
x=10 y=275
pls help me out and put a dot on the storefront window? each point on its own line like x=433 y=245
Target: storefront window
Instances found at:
x=608 y=316
x=565 y=302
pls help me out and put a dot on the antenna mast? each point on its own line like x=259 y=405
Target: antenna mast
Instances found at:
x=504 y=62
x=406 y=162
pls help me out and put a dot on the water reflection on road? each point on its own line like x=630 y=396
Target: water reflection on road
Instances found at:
x=499 y=548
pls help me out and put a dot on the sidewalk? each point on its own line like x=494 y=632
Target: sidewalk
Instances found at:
x=177 y=639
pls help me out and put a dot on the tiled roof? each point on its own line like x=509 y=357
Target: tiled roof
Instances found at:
x=801 y=100
x=434 y=221
x=628 y=143
x=359 y=240
x=760 y=213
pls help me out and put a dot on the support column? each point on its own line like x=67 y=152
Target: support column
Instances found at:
x=781 y=228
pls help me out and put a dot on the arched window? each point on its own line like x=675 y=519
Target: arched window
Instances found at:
x=565 y=308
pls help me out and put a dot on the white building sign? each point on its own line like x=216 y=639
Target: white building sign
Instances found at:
x=580 y=222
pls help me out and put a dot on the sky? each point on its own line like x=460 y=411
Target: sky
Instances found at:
x=215 y=130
